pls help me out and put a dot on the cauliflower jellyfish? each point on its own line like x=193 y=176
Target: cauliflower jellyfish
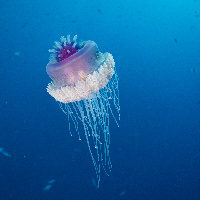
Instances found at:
x=85 y=85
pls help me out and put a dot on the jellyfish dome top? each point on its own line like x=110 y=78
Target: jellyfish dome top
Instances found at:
x=85 y=84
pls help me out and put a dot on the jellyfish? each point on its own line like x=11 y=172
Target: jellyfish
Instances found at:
x=85 y=85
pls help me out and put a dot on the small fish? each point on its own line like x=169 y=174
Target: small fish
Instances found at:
x=47 y=187
x=17 y=53
x=175 y=40
x=122 y=193
x=4 y=152
x=51 y=181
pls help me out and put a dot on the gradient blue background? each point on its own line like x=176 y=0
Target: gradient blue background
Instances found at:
x=156 y=151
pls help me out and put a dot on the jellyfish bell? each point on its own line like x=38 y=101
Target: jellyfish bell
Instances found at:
x=74 y=63
x=72 y=71
x=85 y=84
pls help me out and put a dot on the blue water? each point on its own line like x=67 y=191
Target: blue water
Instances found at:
x=155 y=152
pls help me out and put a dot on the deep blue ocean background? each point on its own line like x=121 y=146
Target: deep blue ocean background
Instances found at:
x=155 y=152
